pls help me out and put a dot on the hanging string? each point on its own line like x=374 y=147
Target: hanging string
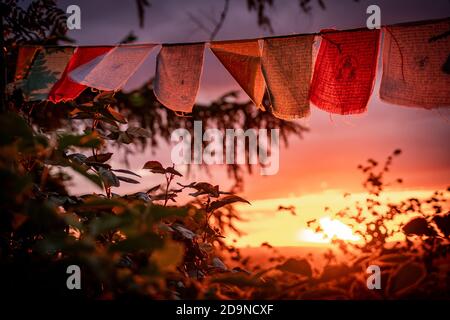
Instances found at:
x=338 y=45
x=399 y=50
x=322 y=33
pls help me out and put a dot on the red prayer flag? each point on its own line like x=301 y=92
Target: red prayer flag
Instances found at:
x=345 y=70
x=66 y=88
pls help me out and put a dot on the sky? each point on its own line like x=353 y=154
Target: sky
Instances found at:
x=316 y=170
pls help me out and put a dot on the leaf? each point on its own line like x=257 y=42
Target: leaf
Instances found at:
x=146 y=242
x=223 y=202
x=126 y=171
x=153 y=189
x=168 y=257
x=100 y=157
x=92 y=177
x=237 y=279
x=126 y=179
x=418 y=226
x=105 y=97
x=443 y=223
x=154 y=167
x=109 y=178
x=160 y=212
x=115 y=115
x=142 y=196
x=123 y=137
x=204 y=188
x=217 y=263
x=107 y=223
x=90 y=140
x=97 y=164
x=98 y=203
x=138 y=132
x=393 y=259
x=186 y=233
x=301 y=267
x=173 y=171
x=331 y=272
x=407 y=277
x=78 y=158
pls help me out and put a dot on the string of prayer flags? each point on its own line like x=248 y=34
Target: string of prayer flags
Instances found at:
x=46 y=70
x=242 y=59
x=177 y=78
x=416 y=65
x=85 y=57
x=345 y=70
x=287 y=67
x=24 y=61
x=416 y=69
x=113 y=71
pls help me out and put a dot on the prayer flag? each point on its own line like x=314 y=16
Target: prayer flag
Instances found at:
x=66 y=88
x=286 y=65
x=345 y=70
x=242 y=59
x=45 y=71
x=178 y=72
x=112 y=71
x=416 y=64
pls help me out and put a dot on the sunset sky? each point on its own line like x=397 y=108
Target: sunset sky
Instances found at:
x=314 y=171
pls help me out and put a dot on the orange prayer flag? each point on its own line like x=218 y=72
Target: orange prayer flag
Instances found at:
x=345 y=70
x=242 y=59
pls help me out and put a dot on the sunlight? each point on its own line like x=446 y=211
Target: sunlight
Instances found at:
x=332 y=228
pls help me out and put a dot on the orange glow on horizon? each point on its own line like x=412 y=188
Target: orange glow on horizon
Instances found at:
x=332 y=228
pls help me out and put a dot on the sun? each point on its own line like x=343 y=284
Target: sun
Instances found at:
x=332 y=228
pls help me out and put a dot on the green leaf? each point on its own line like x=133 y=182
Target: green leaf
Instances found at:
x=92 y=177
x=107 y=223
x=146 y=242
x=90 y=140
